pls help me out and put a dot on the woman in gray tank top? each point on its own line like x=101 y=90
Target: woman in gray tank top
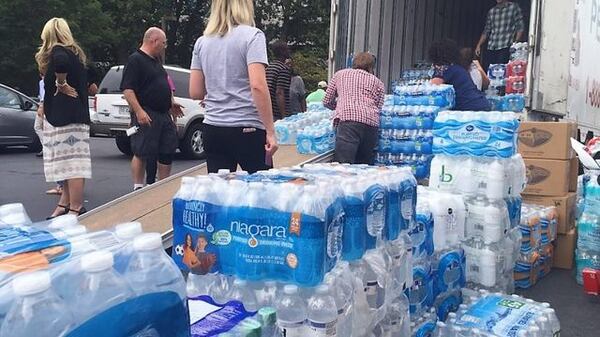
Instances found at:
x=228 y=76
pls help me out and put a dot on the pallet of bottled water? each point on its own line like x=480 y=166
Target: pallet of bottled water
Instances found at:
x=58 y=279
x=315 y=122
x=488 y=314
x=538 y=230
x=260 y=226
x=425 y=94
x=588 y=226
x=356 y=299
x=478 y=134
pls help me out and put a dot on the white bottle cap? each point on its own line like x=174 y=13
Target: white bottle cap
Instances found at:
x=147 y=241
x=97 y=261
x=129 y=230
x=223 y=171
x=70 y=232
x=64 y=221
x=290 y=289
x=31 y=283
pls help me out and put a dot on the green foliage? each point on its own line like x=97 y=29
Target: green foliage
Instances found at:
x=311 y=67
x=109 y=30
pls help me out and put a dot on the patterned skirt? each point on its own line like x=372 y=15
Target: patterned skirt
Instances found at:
x=67 y=152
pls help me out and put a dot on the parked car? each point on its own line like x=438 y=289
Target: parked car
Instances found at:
x=113 y=114
x=17 y=116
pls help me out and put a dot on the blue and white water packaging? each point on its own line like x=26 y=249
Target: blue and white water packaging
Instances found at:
x=449 y=270
x=449 y=218
x=447 y=302
x=489 y=134
x=421 y=291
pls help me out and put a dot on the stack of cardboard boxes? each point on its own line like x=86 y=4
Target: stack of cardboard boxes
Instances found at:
x=552 y=169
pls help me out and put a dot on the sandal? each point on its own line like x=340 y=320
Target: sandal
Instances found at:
x=79 y=211
x=65 y=211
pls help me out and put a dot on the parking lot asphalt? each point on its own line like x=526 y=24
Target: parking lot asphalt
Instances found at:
x=22 y=177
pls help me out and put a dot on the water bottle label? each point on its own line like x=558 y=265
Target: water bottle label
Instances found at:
x=318 y=329
x=469 y=133
x=499 y=315
x=371 y=288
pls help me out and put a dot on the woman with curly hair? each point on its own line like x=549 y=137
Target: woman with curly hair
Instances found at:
x=445 y=56
x=66 y=129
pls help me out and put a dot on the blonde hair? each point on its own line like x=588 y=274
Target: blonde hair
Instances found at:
x=226 y=14
x=56 y=32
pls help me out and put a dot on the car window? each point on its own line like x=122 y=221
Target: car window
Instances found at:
x=182 y=83
x=111 y=83
x=9 y=99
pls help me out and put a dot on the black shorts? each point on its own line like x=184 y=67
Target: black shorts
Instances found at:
x=228 y=147
x=158 y=138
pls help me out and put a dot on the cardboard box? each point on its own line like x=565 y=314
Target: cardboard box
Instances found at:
x=548 y=140
x=574 y=174
x=565 y=250
x=547 y=177
x=566 y=207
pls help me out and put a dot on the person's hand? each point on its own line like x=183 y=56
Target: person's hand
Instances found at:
x=143 y=118
x=66 y=89
x=40 y=111
x=177 y=110
x=271 y=145
x=478 y=51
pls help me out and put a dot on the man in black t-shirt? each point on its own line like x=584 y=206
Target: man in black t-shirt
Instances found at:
x=146 y=89
x=279 y=76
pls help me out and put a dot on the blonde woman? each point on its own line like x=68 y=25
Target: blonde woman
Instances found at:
x=228 y=75
x=65 y=106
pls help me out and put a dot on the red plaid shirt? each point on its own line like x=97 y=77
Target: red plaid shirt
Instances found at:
x=355 y=95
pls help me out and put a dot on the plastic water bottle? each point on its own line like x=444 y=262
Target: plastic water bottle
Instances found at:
x=553 y=321
x=126 y=233
x=38 y=311
x=151 y=270
x=268 y=320
x=322 y=313
x=267 y=294
x=101 y=287
x=13 y=214
x=291 y=313
x=242 y=292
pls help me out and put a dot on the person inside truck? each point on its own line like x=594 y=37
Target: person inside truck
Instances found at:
x=357 y=97
x=503 y=26
x=447 y=70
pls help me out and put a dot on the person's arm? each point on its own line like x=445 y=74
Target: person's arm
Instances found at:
x=283 y=80
x=485 y=80
x=129 y=85
x=520 y=25
x=329 y=101
x=61 y=65
x=484 y=34
x=438 y=75
x=262 y=100
x=140 y=114
x=380 y=95
x=197 y=85
x=437 y=81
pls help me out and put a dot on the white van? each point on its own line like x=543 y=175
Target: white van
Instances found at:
x=112 y=116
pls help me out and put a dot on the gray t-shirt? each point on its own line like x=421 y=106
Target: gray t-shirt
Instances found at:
x=224 y=62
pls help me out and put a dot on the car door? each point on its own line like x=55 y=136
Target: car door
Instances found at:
x=16 y=123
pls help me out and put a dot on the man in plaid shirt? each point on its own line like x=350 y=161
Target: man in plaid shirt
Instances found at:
x=503 y=26
x=357 y=97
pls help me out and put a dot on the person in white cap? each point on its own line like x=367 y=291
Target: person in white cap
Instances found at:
x=318 y=95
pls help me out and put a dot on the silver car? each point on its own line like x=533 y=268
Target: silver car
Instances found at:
x=17 y=116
